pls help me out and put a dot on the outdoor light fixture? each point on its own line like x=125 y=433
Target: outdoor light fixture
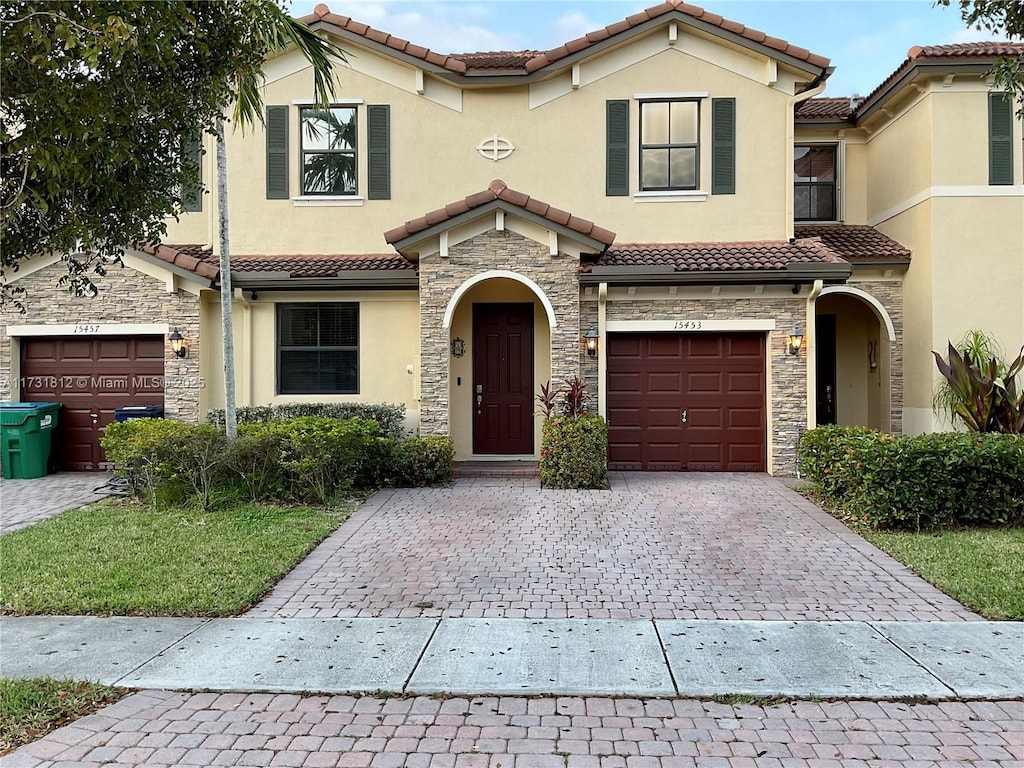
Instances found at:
x=458 y=347
x=590 y=338
x=796 y=340
x=178 y=343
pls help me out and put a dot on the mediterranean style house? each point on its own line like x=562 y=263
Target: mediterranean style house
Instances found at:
x=665 y=207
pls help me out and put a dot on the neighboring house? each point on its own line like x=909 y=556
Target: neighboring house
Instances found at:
x=724 y=258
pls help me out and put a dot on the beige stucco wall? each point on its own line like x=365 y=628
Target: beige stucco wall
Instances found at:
x=388 y=347
x=858 y=387
x=899 y=158
x=559 y=155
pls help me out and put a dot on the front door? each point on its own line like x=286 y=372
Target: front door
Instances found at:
x=503 y=378
x=825 y=347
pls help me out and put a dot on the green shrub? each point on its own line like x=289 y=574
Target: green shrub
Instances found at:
x=918 y=482
x=574 y=452
x=322 y=456
x=142 y=451
x=423 y=461
x=390 y=418
x=254 y=461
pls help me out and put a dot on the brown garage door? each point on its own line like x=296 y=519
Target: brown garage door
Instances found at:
x=90 y=377
x=717 y=380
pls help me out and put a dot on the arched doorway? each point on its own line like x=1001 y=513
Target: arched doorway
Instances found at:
x=499 y=326
x=853 y=337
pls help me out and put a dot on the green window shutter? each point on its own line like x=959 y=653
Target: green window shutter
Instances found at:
x=617 y=157
x=378 y=155
x=723 y=146
x=277 y=152
x=192 y=153
x=1000 y=139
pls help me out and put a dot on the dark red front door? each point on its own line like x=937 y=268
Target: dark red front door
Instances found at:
x=503 y=378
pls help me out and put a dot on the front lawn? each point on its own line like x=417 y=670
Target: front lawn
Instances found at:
x=121 y=558
x=983 y=568
x=29 y=709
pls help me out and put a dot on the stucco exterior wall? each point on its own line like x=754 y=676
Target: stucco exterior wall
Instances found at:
x=124 y=295
x=559 y=152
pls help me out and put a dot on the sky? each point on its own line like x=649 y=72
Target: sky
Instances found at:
x=865 y=39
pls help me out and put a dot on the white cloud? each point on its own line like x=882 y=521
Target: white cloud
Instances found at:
x=976 y=36
x=569 y=26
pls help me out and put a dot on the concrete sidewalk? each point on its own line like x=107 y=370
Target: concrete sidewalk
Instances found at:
x=867 y=660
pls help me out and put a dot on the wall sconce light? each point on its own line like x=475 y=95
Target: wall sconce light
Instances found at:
x=872 y=355
x=178 y=343
x=590 y=338
x=796 y=340
x=458 y=347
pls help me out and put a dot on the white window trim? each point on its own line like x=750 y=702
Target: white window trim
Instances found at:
x=674 y=96
x=328 y=201
x=670 y=196
x=334 y=102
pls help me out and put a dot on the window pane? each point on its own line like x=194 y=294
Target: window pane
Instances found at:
x=338 y=372
x=823 y=163
x=315 y=129
x=823 y=198
x=684 y=168
x=654 y=123
x=654 y=170
x=801 y=202
x=298 y=325
x=343 y=128
x=330 y=173
x=339 y=325
x=299 y=372
x=684 y=122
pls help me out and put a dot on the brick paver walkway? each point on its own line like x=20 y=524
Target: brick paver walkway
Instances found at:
x=156 y=728
x=684 y=546
x=23 y=502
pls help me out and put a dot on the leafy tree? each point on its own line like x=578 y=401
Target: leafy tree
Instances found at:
x=999 y=17
x=97 y=98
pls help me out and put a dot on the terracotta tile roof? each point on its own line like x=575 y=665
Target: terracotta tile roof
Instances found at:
x=531 y=61
x=825 y=108
x=717 y=257
x=200 y=260
x=320 y=266
x=967 y=51
x=190 y=257
x=484 y=60
x=854 y=242
x=499 y=190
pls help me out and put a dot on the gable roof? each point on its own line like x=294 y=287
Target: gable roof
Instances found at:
x=499 y=192
x=530 y=61
x=825 y=108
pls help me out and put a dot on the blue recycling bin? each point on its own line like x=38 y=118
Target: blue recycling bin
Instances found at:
x=132 y=412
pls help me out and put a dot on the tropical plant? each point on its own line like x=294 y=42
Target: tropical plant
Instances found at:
x=984 y=393
x=574 y=398
x=546 y=399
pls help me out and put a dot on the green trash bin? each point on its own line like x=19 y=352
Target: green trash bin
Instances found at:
x=25 y=430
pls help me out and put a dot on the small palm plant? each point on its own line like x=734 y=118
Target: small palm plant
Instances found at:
x=979 y=388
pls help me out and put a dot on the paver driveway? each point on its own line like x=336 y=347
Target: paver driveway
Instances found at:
x=685 y=546
x=24 y=502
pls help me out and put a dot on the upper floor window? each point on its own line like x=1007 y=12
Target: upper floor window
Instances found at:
x=669 y=145
x=814 y=183
x=329 y=151
x=318 y=348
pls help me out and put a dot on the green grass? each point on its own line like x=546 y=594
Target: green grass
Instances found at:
x=30 y=709
x=983 y=568
x=124 y=559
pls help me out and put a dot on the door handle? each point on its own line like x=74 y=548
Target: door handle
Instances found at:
x=479 y=404
x=682 y=419
x=95 y=417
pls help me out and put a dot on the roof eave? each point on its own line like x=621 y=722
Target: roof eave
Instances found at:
x=363 y=279
x=185 y=274
x=659 y=275
x=914 y=69
x=900 y=264
x=829 y=124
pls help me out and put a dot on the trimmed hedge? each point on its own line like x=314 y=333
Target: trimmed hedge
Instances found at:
x=574 y=452
x=311 y=459
x=390 y=418
x=918 y=482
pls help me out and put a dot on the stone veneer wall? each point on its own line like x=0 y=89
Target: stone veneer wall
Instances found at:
x=440 y=277
x=890 y=294
x=125 y=296
x=788 y=384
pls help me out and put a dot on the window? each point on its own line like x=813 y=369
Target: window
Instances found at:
x=814 y=183
x=318 y=349
x=669 y=145
x=329 y=151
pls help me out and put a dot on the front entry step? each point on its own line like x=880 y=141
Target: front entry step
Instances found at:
x=496 y=469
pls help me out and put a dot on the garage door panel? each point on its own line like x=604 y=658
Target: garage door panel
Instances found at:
x=90 y=377
x=718 y=379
